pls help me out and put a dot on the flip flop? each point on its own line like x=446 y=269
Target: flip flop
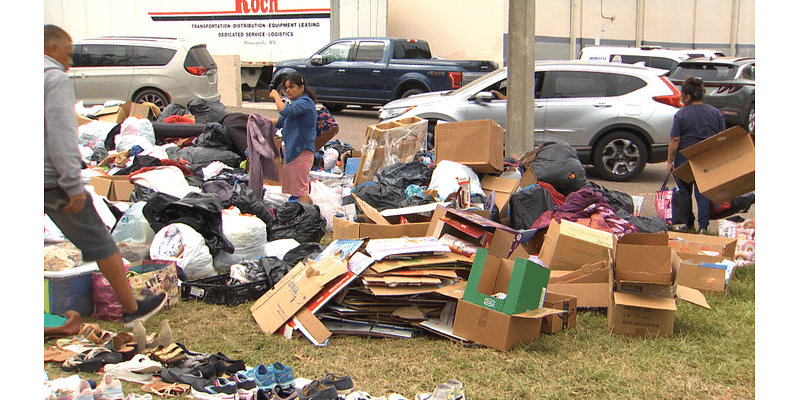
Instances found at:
x=54 y=354
x=121 y=372
x=165 y=389
x=91 y=360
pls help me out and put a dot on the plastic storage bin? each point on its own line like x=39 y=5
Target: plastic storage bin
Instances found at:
x=69 y=290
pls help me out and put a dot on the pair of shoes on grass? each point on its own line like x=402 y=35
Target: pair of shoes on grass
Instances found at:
x=269 y=376
x=450 y=390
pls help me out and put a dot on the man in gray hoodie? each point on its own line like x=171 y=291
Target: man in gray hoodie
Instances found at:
x=66 y=201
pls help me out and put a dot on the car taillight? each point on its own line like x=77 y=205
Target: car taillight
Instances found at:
x=673 y=99
x=199 y=71
x=455 y=79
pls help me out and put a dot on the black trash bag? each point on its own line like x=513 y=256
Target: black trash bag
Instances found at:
x=300 y=221
x=109 y=143
x=236 y=125
x=164 y=130
x=644 y=224
x=170 y=110
x=142 y=193
x=303 y=252
x=195 y=158
x=527 y=205
x=557 y=164
x=239 y=195
x=140 y=161
x=682 y=206
x=201 y=211
x=403 y=175
x=618 y=200
x=274 y=269
x=215 y=135
x=737 y=205
x=205 y=111
x=380 y=196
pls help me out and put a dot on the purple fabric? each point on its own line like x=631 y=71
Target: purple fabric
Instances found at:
x=586 y=203
x=261 y=149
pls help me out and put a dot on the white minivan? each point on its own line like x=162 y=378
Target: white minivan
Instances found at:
x=649 y=56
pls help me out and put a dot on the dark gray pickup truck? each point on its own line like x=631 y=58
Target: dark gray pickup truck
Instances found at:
x=374 y=71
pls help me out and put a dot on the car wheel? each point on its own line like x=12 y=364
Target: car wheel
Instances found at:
x=411 y=92
x=619 y=156
x=154 y=96
x=751 y=119
x=334 y=108
x=431 y=128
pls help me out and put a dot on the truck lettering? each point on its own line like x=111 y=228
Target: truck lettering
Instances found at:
x=256 y=6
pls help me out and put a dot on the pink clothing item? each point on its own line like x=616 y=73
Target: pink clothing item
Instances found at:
x=296 y=174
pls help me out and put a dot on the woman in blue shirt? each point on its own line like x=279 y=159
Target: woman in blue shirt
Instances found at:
x=692 y=124
x=298 y=121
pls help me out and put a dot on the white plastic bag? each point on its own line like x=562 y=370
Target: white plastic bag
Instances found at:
x=445 y=178
x=133 y=227
x=184 y=245
x=135 y=131
x=246 y=232
x=329 y=201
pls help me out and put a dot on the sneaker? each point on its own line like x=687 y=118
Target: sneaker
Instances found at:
x=317 y=391
x=147 y=307
x=284 y=377
x=264 y=377
x=108 y=389
x=84 y=391
x=343 y=385
x=282 y=394
x=442 y=392
x=458 y=389
x=246 y=386
x=218 y=388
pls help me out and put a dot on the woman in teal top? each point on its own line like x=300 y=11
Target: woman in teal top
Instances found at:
x=298 y=121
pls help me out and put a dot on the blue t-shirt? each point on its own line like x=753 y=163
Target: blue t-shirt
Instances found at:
x=298 y=121
x=695 y=123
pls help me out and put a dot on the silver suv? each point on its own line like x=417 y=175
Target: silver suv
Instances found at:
x=156 y=70
x=616 y=116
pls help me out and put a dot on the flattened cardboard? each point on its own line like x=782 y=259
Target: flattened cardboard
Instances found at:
x=702 y=244
x=645 y=258
x=568 y=245
x=295 y=290
x=476 y=144
x=495 y=329
x=556 y=323
x=723 y=165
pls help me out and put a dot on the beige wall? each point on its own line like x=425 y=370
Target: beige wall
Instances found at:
x=474 y=29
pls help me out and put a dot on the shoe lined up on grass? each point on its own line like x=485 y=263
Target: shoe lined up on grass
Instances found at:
x=269 y=376
x=344 y=385
x=218 y=388
x=317 y=391
x=109 y=388
x=246 y=386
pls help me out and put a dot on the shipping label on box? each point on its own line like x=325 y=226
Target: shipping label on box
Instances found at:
x=568 y=245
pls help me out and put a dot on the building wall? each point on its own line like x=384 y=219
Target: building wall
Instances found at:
x=477 y=29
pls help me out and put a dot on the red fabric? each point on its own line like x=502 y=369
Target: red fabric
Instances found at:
x=178 y=119
x=558 y=198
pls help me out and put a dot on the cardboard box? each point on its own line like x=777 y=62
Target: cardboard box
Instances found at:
x=495 y=329
x=702 y=244
x=589 y=284
x=705 y=279
x=724 y=165
x=295 y=290
x=568 y=245
x=505 y=187
x=637 y=315
x=389 y=143
x=374 y=225
x=473 y=228
x=559 y=322
x=69 y=290
x=645 y=258
x=475 y=144
x=117 y=114
x=113 y=187
x=507 y=286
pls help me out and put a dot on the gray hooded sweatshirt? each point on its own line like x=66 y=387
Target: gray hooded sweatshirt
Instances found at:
x=62 y=157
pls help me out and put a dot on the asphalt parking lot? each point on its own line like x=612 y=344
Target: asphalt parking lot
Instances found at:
x=353 y=122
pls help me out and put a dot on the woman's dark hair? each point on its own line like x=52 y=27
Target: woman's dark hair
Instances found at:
x=298 y=81
x=693 y=87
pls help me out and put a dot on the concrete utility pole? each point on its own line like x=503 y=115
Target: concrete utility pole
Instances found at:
x=521 y=64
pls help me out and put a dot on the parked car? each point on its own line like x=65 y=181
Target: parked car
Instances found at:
x=730 y=86
x=616 y=116
x=142 y=69
x=374 y=71
x=649 y=56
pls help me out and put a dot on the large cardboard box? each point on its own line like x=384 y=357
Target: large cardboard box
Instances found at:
x=568 y=245
x=695 y=274
x=702 y=244
x=560 y=322
x=113 y=187
x=589 y=284
x=389 y=143
x=724 y=165
x=638 y=315
x=507 y=286
x=374 y=225
x=475 y=144
x=495 y=329
x=473 y=228
x=295 y=290
x=644 y=258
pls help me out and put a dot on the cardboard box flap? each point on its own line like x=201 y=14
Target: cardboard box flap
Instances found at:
x=455 y=290
x=576 y=230
x=635 y=300
x=585 y=270
x=539 y=313
x=690 y=295
x=714 y=141
x=684 y=173
x=370 y=212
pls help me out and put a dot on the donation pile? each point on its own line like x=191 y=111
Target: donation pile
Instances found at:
x=457 y=242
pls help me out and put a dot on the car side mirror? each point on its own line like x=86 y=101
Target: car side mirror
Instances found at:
x=316 y=59
x=483 y=97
